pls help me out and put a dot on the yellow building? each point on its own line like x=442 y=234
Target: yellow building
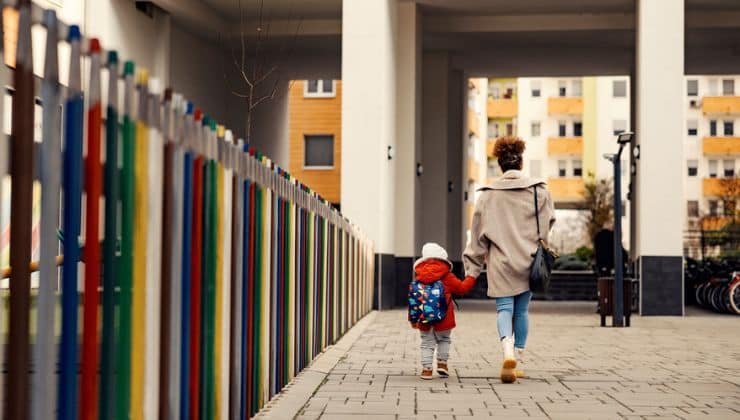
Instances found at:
x=315 y=121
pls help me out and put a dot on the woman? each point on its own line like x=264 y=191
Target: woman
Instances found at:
x=504 y=232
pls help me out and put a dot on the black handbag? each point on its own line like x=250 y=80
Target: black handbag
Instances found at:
x=542 y=259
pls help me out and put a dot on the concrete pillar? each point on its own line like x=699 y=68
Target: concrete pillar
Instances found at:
x=369 y=31
x=408 y=141
x=436 y=120
x=661 y=208
x=457 y=110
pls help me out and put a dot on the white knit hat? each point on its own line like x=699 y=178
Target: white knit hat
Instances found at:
x=432 y=251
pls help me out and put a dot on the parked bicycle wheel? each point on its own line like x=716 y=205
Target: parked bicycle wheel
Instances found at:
x=699 y=294
x=734 y=295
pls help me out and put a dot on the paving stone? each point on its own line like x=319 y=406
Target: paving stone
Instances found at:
x=661 y=367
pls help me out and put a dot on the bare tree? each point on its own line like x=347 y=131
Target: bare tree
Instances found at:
x=599 y=202
x=729 y=196
x=258 y=59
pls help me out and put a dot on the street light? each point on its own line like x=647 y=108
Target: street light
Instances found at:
x=616 y=159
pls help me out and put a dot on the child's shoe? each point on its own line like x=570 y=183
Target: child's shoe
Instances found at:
x=442 y=369
x=509 y=365
x=426 y=373
x=519 y=372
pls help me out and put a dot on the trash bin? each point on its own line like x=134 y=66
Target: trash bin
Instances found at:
x=606 y=298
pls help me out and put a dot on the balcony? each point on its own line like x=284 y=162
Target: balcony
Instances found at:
x=502 y=108
x=558 y=146
x=721 y=145
x=566 y=189
x=473 y=124
x=712 y=187
x=473 y=170
x=565 y=106
x=721 y=105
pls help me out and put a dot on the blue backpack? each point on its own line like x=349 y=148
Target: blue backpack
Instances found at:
x=427 y=302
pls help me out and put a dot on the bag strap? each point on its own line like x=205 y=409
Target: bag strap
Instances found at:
x=537 y=212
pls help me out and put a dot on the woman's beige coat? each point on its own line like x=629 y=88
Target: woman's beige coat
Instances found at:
x=504 y=232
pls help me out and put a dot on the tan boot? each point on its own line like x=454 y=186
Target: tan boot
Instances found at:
x=509 y=364
x=442 y=369
x=519 y=371
x=426 y=373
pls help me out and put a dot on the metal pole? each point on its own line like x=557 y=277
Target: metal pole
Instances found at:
x=618 y=318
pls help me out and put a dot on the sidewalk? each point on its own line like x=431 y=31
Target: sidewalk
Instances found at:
x=685 y=368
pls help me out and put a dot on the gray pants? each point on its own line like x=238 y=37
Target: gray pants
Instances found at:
x=431 y=339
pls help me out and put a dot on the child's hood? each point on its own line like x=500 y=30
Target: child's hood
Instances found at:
x=432 y=270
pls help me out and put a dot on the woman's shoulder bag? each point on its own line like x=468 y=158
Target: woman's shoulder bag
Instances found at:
x=542 y=259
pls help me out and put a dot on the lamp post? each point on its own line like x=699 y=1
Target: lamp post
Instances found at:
x=618 y=318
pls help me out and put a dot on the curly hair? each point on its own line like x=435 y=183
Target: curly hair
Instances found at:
x=508 y=150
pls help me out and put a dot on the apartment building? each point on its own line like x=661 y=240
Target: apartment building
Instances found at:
x=315 y=135
x=711 y=143
x=568 y=125
x=712 y=150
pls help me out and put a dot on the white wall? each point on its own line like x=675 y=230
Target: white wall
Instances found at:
x=135 y=35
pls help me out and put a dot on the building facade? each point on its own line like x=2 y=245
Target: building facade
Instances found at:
x=711 y=145
x=568 y=125
x=315 y=134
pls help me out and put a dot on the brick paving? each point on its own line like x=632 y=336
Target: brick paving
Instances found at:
x=660 y=368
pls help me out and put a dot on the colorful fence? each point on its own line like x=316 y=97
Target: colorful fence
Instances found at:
x=209 y=276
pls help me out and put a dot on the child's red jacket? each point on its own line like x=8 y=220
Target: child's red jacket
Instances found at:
x=430 y=271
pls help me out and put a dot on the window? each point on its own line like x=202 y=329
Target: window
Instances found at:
x=693 y=127
x=535 y=168
x=576 y=88
x=692 y=87
x=319 y=151
x=692 y=208
x=713 y=89
x=619 y=126
x=577 y=129
x=509 y=92
x=713 y=169
x=495 y=90
x=509 y=129
x=729 y=128
x=729 y=165
x=319 y=89
x=562 y=90
x=577 y=168
x=493 y=130
x=713 y=128
x=535 y=129
x=561 y=168
x=328 y=86
x=619 y=88
x=693 y=166
x=728 y=87
x=713 y=207
x=312 y=86
x=561 y=128
x=536 y=88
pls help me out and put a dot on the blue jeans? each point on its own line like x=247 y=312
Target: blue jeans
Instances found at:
x=513 y=311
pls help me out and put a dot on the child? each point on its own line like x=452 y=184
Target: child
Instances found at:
x=434 y=266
